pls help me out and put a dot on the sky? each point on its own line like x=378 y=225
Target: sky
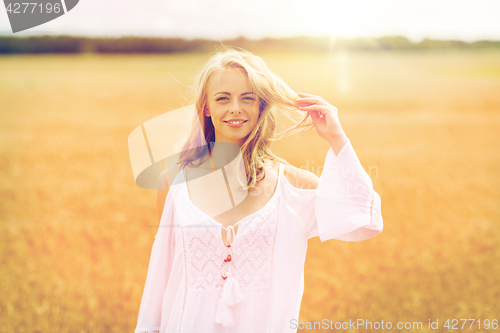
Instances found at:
x=222 y=19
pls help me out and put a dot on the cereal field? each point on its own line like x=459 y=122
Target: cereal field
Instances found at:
x=76 y=232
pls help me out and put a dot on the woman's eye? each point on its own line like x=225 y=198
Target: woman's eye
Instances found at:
x=249 y=98
x=221 y=99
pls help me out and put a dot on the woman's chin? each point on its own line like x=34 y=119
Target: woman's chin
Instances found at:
x=232 y=137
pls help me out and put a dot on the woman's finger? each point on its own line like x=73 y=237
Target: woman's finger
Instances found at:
x=315 y=107
x=312 y=100
x=303 y=95
x=314 y=116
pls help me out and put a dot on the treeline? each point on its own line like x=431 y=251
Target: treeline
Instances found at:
x=70 y=44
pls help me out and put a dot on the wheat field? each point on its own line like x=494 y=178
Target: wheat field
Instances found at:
x=76 y=232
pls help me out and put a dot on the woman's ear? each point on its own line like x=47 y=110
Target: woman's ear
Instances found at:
x=206 y=112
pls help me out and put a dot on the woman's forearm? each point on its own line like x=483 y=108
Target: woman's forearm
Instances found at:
x=337 y=141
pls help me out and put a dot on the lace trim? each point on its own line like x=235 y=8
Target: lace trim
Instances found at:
x=371 y=208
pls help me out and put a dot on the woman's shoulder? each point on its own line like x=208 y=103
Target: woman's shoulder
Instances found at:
x=300 y=178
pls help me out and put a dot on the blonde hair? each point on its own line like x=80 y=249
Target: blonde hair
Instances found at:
x=274 y=96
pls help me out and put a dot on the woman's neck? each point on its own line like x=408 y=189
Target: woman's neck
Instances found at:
x=228 y=155
x=223 y=153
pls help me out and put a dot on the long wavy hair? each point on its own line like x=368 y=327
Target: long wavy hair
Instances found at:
x=274 y=96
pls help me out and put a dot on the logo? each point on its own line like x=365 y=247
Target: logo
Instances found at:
x=26 y=15
x=156 y=147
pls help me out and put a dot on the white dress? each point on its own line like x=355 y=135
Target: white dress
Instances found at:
x=184 y=284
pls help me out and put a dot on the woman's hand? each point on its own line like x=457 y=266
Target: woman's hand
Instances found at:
x=325 y=118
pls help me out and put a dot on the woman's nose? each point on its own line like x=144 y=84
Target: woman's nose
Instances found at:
x=235 y=107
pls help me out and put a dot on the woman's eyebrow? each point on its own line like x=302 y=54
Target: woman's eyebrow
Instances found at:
x=224 y=92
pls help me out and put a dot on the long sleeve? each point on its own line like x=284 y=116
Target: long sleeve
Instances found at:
x=160 y=265
x=346 y=205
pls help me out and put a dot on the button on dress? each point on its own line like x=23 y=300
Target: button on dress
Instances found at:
x=193 y=286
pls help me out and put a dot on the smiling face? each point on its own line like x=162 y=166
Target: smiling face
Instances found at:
x=232 y=105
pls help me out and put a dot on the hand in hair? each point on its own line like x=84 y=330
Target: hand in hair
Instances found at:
x=325 y=119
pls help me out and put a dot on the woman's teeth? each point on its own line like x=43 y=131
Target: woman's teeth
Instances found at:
x=236 y=122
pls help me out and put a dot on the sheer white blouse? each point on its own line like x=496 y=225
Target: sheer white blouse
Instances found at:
x=185 y=291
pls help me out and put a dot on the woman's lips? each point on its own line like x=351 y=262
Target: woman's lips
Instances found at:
x=235 y=122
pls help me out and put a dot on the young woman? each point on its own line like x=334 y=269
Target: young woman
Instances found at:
x=238 y=267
